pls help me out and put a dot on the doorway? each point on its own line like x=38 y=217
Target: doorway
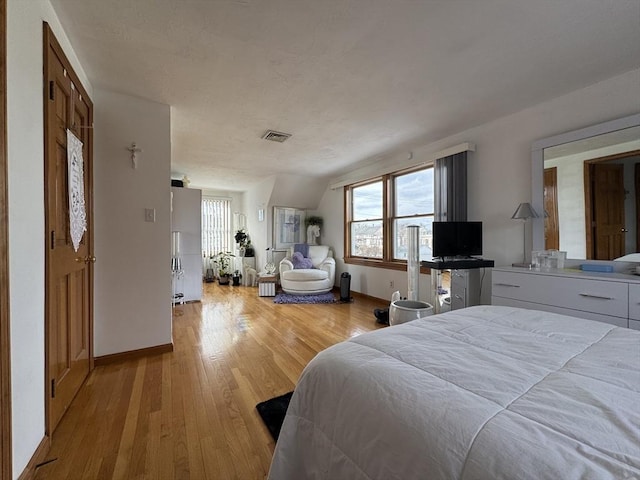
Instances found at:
x=605 y=218
x=68 y=266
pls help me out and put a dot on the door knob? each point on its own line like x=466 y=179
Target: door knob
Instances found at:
x=90 y=259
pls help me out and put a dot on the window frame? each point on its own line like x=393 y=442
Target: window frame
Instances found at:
x=388 y=217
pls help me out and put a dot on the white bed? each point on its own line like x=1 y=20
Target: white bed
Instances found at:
x=481 y=393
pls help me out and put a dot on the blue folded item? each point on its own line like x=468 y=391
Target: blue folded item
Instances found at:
x=594 y=267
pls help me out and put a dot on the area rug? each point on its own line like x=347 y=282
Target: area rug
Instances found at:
x=288 y=298
x=273 y=411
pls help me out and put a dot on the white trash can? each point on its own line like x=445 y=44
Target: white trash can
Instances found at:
x=402 y=311
x=445 y=305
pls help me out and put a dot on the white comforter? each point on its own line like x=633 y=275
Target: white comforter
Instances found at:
x=481 y=393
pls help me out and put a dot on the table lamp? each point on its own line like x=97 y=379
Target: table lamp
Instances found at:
x=524 y=212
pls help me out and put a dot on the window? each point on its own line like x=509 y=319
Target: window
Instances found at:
x=216 y=226
x=367 y=225
x=378 y=213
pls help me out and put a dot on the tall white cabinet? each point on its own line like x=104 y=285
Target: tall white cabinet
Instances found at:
x=465 y=288
x=186 y=218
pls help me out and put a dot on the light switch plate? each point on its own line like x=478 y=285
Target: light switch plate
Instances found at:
x=149 y=214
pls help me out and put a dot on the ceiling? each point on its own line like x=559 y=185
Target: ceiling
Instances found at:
x=351 y=80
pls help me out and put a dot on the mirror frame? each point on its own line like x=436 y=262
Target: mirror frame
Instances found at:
x=537 y=164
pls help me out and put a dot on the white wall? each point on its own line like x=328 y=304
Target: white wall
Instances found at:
x=500 y=170
x=133 y=268
x=259 y=197
x=26 y=216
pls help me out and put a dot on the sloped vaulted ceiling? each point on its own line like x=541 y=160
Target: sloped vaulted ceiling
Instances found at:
x=349 y=79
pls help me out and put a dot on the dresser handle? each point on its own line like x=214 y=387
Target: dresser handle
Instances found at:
x=506 y=285
x=588 y=295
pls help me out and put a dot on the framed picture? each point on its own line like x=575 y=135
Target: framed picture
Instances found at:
x=288 y=227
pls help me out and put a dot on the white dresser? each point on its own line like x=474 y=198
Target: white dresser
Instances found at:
x=606 y=297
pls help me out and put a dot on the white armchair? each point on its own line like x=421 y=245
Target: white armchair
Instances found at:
x=309 y=281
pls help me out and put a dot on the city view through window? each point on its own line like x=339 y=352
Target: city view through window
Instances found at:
x=412 y=204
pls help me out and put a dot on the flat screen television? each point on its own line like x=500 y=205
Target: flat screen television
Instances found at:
x=457 y=239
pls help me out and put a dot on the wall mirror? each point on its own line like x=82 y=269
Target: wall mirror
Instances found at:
x=587 y=184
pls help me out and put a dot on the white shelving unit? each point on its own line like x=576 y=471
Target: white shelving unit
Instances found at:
x=186 y=206
x=465 y=288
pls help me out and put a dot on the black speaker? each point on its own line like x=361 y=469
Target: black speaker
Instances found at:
x=345 y=287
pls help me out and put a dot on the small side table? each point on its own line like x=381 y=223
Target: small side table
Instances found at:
x=267 y=285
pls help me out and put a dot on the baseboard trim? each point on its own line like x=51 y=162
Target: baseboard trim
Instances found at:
x=37 y=458
x=133 y=354
x=363 y=295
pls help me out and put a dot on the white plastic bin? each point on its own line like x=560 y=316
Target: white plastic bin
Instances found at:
x=402 y=311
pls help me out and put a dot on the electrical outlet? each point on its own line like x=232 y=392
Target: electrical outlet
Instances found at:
x=391 y=284
x=150 y=215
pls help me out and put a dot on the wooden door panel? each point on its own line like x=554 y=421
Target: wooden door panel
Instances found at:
x=550 y=194
x=78 y=341
x=69 y=359
x=61 y=178
x=608 y=210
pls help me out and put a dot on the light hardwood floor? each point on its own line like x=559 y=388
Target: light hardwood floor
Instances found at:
x=190 y=414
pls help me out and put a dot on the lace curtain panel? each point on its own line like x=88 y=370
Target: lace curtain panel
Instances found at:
x=77 y=209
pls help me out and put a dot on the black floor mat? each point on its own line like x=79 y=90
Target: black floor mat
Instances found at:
x=273 y=411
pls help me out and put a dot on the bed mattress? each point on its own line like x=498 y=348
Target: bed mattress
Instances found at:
x=482 y=393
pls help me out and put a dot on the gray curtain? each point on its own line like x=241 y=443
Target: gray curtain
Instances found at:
x=450 y=176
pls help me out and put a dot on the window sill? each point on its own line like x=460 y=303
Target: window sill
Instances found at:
x=370 y=262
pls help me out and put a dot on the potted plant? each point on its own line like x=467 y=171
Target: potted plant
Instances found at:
x=241 y=238
x=223 y=264
x=237 y=276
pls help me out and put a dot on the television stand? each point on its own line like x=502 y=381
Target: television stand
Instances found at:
x=457 y=263
x=465 y=281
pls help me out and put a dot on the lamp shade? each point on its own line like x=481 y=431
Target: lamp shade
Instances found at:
x=524 y=211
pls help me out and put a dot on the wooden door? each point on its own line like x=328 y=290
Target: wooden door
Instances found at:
x=551 y=230
x=68 y=272
x=608 y=211
x=637 y=194
x=5 y=353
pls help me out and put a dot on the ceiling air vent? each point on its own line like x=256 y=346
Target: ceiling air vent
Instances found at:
x=276 y=136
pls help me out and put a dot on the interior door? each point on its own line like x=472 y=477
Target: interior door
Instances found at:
x=637 y=194
x=5 y=353
x=68 y=272
x=608 y=210
x=551 y=230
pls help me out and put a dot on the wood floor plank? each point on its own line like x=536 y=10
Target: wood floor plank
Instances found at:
x=190 y=414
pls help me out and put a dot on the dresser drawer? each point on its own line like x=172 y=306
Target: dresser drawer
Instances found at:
x=617 y=321
x=634 y=302
x=459 y=278
x=597 y=296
